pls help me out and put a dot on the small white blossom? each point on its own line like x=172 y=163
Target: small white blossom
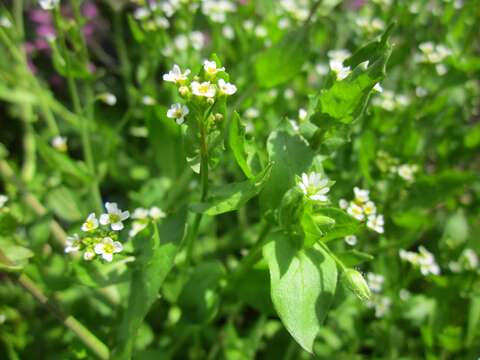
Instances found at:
x=226 y=88
x=302 y=114
x=141 y=13
x=60 y=143
x=114 y=216
x=156 y=213
x=469 y=259
x=162 y=22
x=284 y=23
x=178 y=112
x=204 y=89
x=340 y=71
x=176 y=75
x=355 y=211
x=227 y=32
x=406 y=172
x=90 y=224
x=48 y=4
x=381 y=304
x=140 y=214
x=289 y=94
x=197 y=40
x=378 y=88
x=339 y=55
x=369 y=208
x=72 y=243
x=148 y=100
x=375 y=282
x=5 y=22
x=343 y=204
x=261 y=31
x=107 y=247
x=376 y=223
x=137 y=226
x=314 y=186
x=217 y=10
x=3 y=200
x=108 y=98
x=361 y=196
x=351 y=240
x=424 y=259
x=251 y=113
x=210 y=68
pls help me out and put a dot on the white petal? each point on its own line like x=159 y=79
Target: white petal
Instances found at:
x=111 y=207
x=117 y=246
x=125 y=215
x=107 y=256
x=318 y=197
x=104 y=219
x=117 y=226
x=98 y=248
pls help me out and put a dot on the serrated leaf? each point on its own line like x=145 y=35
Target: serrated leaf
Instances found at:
x=283 y=60
x=303 y=283
x=232 y=196
x=236 y=143
x=156 y=259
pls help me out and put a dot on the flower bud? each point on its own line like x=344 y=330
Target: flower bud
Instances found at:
x=210 y=101
x=218 y=117
x=184 y=91
x=356 y=283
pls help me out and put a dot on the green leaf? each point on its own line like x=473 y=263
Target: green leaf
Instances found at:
x=65 y=204
x=282 y=61
x=344 y=224
x=154 y=262
x=8 y=223
x=14 y=257
x=303 y=284
x=291 y=156
x=63 y=163
x=236 y=143
x=345 y=100
x=351 y=258
x=137 y=32
x=199 y=299
x=232 y=196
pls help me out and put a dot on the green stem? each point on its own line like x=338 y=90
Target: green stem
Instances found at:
x=336 y=259
x=85 y=335
x=203 y=184
x=125 y=66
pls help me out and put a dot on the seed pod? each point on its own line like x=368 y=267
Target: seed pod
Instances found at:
x=356 y=283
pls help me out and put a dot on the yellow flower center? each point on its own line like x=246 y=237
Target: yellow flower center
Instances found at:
x=108 y=248
x=114 y=218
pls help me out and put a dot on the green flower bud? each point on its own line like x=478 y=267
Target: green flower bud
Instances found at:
x=356 y=283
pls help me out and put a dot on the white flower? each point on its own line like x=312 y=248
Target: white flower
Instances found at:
x=178 y=112
x=107 y=247
x=108 y=98
x=284 y=23
x=88 y=255
x=226 y=88
x=378 y=88
x=369 y=208
x=338 y=55
x=406 y=172
x=470 y=259
x=5 y=22
x=382 y=306
x=210 y=68
x=72 y=243
x=156 y=213
x=3 y=200
x=361 y=196
x=114 y=216
x=148 y=100
x=340 y=71
x=217 y=10
x=343 y=204
x=48 y=4
x=141 y=13
x=376 y=222
x=314 y=186
x=140 y=214
x=90 y=224
x=427 y=262
x=251 y=113
x=197 y=40
x=375 y=282
x=137 y=226
x=162 y=22
x=227 y=32
x=60 y=143
x=321 y=69
x=204 y=89
x=176 y=76
x=302 y=114
x=355 y=211
x=289 y=94
x=181 y=42
x=351 y=240
x=261 y=31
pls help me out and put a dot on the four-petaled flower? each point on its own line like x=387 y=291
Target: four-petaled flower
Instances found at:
x=72 y=243
x=376 y=222
x=205 y=89
x=314 y=186
x=226 y=88
x=114 y=216
x=210 y=68
x=107 y=247
x=178 y=112
x=361 y=196
x=91 y=223
x=176 y=76
x=355 y=211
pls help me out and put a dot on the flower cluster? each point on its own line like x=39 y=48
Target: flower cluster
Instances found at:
x=217 y=10
x=314 y=186
x=424 y=260
x=468 y=261
x=205 y=88
x=362 y=208
x=370 y=25
x=100 y=236
x=380 y=303
x=432 y=53
x=142 y=218
x=390 y=101
x=298 y=9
